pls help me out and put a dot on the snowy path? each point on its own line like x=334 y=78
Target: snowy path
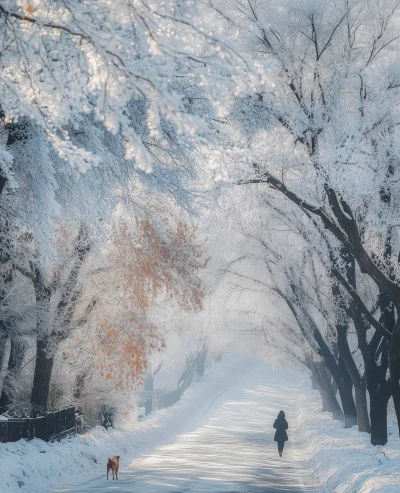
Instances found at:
x=231 y=449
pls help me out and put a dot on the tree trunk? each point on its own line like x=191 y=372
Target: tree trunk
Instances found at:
x=346 y=362
x=4 y=290
x=15 y=360
x=42 y=377
x=394 y=382
x=201 y=361
x=360 y=392
x=379 y=390
x=342 y=379
x=314 y=382
x=359 y=382
x=378 y=414
x=322 y=381
x=345 y=388
x=3 y=343
x=387 y=319
x=326 y=405
x=332 y=403
x=344 y=384
x=332 y=381
x=348 y=405
x=338 y=371
x=15 y=132
x=394 y=366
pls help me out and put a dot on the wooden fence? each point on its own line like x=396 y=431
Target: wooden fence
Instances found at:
x=50 y=427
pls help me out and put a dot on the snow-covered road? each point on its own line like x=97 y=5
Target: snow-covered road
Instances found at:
x=229 y=449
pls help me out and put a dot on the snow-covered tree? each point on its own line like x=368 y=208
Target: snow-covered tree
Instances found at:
x=62 y=60
x=324 y=135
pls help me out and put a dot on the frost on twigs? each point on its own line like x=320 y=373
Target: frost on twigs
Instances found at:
x=63 y=59
x=80 y=159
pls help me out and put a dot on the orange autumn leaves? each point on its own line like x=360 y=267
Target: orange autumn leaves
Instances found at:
x=154 y=260
x=124 y=348
x=148 y=261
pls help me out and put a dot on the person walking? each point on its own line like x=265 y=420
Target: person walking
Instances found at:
x=281 y=425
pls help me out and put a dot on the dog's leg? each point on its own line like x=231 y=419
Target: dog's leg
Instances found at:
x=116 y=473
x=108 y=470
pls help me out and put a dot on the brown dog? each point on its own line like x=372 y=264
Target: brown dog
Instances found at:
x=113 y=464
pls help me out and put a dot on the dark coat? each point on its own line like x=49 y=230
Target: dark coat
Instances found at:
x=281 y=425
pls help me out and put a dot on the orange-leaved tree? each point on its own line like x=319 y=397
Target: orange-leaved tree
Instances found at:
x=148 y=260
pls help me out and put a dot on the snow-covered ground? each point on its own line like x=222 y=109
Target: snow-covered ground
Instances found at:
x=237 y=394
x=219 y=438
x=35 y=466
x=230 y=450
x=344 y=461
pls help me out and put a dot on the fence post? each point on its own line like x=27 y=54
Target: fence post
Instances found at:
x=47 y=428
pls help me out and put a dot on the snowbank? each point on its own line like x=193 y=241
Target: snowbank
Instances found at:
x=342 y=460
x=36 y=466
